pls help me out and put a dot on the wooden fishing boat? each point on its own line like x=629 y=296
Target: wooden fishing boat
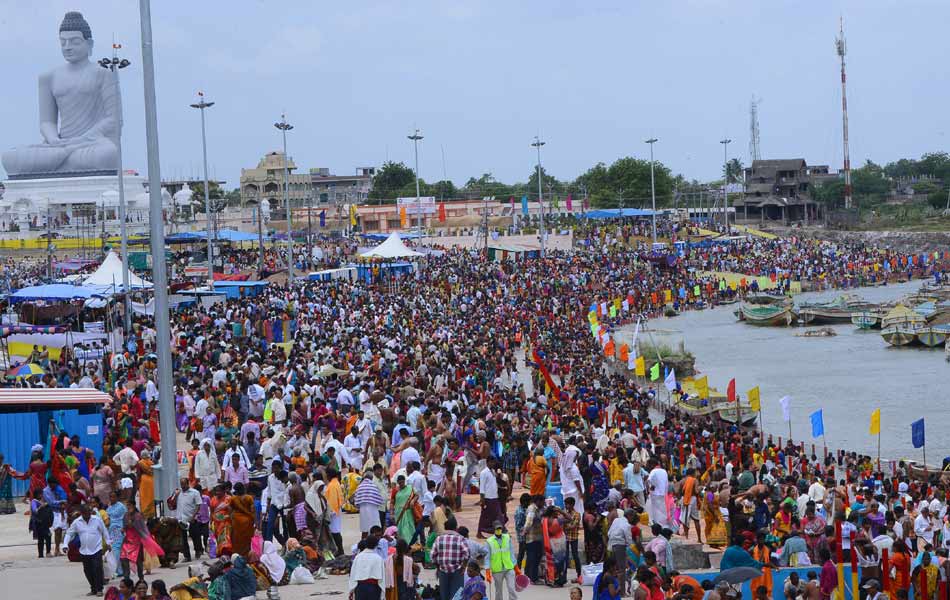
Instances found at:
x=901 y=315
x=824 y=315
x=866 y=319
x=933 y=336
x=768 y=315
x=922 y=472
x=899 y=335
x=765 y=299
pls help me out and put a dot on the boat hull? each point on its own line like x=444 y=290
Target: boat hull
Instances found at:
x=931 y=337
x=899 y=336
x=767 y=317
x=866 y=320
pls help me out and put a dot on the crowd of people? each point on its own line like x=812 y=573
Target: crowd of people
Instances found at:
x=391 y=402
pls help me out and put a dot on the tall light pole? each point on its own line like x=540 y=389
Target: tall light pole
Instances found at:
x=725 y=182
x=284 y=127
x=168 y=473
x=415 y=137
x=537 y=145
x=114 y=64
x=202 y=105
x=652 y=141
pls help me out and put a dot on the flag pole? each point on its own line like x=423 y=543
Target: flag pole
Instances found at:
x=761 y=427
x=878 y=448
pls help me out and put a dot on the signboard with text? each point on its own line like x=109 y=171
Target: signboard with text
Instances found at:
x=425 y=204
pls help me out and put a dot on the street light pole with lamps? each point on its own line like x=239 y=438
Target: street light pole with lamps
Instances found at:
x=415 y=137
x=114 y=64
x=725 y=182
x=284 y=127
x=652 y=141
x=202 y=105
x=537 y=143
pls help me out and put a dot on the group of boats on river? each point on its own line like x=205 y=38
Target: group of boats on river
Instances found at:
x=921 y=318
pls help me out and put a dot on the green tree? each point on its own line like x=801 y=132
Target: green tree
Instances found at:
x=631 y=176
x=870 y=181
x=732 y=170
x=390 y=179
x=549 y=184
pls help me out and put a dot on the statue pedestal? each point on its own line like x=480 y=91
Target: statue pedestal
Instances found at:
x=71 y=201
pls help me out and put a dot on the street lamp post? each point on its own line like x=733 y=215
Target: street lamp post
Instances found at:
x=284 y=127
x=652 y=141
x=537 y=145
x=415 y=137
x=202 y=105
x=725 y=182
x=167 y=479
x=114 y=64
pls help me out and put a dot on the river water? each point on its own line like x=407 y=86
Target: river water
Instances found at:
x=847 y=376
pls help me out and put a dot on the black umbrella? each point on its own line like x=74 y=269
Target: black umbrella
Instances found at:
x=738 y=575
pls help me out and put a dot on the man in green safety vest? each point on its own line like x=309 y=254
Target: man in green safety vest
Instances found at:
x=501 y=556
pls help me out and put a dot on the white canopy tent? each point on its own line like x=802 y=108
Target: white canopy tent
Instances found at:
x=108 y=277
x=392 y=247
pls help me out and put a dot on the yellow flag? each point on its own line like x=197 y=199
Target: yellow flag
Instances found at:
x=702 y=387
x=617 y=303
x=641 y=367
x=876 y=422
x=592 y=317
x=353 y=215
x=754 y=401
x=668 y=296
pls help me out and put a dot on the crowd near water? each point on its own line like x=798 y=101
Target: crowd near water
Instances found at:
x=391 y=397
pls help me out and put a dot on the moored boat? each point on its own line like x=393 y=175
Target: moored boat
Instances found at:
x=933 y=336
x=768 y=315
x=866 y=319
x=899 y=335
x=901 y=315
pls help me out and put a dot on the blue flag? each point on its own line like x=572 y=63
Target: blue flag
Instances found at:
x=524 y=205
x=817 y=424
x=323 y=218
x=917 y=433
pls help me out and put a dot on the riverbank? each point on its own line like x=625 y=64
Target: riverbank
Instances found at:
x=846 y=376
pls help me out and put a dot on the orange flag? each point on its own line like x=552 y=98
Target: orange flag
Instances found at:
x=609 y=348
x=442 y=212
x=402 y=217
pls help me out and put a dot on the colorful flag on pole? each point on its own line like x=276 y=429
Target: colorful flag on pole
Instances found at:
x=442 y=212
x=875 y=428
x=786 y=403
x=636 y=334
x=655 y=372
x=323 y=218
x=402 y=217
x=670 y=381
x=631 y=362
x=731 y=390
x=623 y=353
x=817 y=424
x=640 y=366
x=754 y=401
x=524 y=205
x=353 y=215
x=570 y=204
x=917 y=433
x=702 y=387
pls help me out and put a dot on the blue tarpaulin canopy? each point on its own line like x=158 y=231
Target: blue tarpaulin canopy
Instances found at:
x=54 y=291
x=618 y=213
x=382 y=236
x=226 y=235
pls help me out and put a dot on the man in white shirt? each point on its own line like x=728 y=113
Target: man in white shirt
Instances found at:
x=344 y=400
x=126 y=458
x=488 y=497
x=816 y=492
x=278 y=498
x=236 y=449
x=415 y=479
x=92 y=534
x=659 y=481
x=354 y=450
x=924 y=527
x=367 y=571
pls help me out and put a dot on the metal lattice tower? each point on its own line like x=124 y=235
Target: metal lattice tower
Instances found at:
x=755 y=149
x=841 y=49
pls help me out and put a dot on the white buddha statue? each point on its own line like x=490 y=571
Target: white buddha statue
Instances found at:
x=80 y=114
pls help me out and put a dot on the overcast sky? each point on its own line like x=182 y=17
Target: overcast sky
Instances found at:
x=481 y=78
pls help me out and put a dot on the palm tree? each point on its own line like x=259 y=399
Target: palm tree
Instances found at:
x=733 y=170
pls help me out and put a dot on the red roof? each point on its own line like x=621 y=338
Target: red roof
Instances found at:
x=46 y=396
